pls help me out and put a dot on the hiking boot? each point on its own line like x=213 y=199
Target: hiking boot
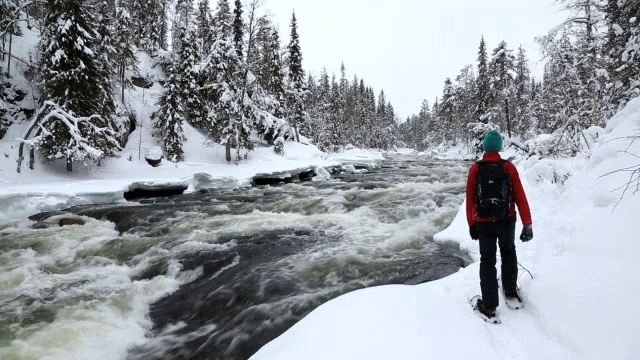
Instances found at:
x=512 y=294
x=486 y=311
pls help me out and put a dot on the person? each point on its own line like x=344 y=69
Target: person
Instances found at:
x=493 y=191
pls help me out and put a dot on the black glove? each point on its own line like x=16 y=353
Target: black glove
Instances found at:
x=527 y=233
x=473 y=231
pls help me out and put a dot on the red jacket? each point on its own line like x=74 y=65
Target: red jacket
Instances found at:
x=520 y=198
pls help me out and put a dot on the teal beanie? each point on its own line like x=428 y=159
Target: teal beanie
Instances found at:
x=492 y=141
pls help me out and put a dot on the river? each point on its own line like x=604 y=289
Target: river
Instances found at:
x=217 y=275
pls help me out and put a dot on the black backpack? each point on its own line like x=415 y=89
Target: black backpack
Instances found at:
x=493 y=192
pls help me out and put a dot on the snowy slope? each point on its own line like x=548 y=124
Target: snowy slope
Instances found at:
x=580 y=304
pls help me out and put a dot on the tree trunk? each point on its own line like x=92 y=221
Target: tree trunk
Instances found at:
x=238 y=146
x=32 y=157
x=36 y=121
x=122 y=76
x=506 y=112
x=228 y=150
x=69 y=164
x=295 y=128
x=9 y=60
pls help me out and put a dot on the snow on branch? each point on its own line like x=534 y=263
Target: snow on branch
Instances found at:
x=84 y=136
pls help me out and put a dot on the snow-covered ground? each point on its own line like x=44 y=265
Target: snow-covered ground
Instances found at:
x=579 y=303
x=50 y=186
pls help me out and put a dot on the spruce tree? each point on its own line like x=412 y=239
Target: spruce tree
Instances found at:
x=182 y=21
x=276 y=85
x=124 y=53
x=296 y=89
x=230 y=118
x=170 y=116
x=238 y=28
x=77 y=121
x=222 y=20
x=187 y=79
x=149 y=23
x=623 y=52
x=522 y=110
x=447 y=109
x=205 y=32
x=502 y=79
x=483 y=83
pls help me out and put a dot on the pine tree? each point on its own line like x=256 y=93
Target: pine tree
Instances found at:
x=170 y=116
x=296 y=91
x=238 y=28
x=502 y=80
x=77 y=120
x=483 y=83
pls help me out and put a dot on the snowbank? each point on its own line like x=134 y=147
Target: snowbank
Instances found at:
x=583 y=260
x=49 y=186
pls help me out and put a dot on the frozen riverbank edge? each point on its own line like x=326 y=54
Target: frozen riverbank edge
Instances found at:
x=28 y=194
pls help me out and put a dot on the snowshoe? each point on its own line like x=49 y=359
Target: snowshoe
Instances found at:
x=514 y=302
x=476 y=303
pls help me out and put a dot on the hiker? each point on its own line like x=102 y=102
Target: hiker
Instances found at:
x=493 y=191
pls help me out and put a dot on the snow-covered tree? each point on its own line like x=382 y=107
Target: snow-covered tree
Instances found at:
x=77 y=117
x=124 y=53
x=182 y=20
x=483 y=85
x=185 y=69
x=228 y=122
x=204 y=25
x=502 y=81
x=447 y=109
x=623 y=52
x=222 y=20
x=522 y=99
x=238 y=28
x=296 y=90
x=170 y=116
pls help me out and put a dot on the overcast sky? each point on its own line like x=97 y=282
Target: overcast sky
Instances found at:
x=409 y=47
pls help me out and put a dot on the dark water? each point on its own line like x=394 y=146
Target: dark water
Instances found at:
x=238 y=267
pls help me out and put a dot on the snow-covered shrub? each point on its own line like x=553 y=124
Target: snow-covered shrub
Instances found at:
x=560 y=144
x=589 y=137
x=477 y=132
x=554 y=172
x=278 y=146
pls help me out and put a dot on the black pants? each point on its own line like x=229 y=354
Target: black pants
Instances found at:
x=504 y=232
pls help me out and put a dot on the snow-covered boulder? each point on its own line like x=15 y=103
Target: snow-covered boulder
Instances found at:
x=154 y=156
